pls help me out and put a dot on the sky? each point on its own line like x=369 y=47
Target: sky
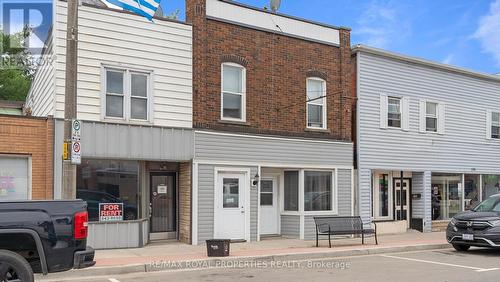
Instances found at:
x=464 y=33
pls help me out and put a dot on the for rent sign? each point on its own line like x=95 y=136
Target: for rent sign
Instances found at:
x=110 y=211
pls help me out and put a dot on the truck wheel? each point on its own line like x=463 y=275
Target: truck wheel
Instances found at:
x=14 y=267
x=461 y=248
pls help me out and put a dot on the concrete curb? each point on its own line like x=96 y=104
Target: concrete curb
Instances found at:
x=206 y=263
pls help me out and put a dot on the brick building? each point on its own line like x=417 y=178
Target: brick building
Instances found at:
x=26 y=158
x=272 y=112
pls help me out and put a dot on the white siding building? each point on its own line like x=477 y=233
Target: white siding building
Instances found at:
x=134 y=96
x=427 y=140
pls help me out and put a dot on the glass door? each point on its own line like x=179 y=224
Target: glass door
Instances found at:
x=447 y=195
x=402 y=194
x=163 y=205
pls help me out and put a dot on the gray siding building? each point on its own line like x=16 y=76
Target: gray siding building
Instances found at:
x=267 y=162
x=427 y=140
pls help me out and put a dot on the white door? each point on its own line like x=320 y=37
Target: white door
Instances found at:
x=268 y=206
x=402 y=195
x=230 y=206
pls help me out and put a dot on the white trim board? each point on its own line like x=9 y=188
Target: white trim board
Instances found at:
x=271 y=137
x=270 y=165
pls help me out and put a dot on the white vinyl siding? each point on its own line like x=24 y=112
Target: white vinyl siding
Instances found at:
x=41 y=95
x=464 y=99
x=111 y=38
x=316 y=103
x=233 y=92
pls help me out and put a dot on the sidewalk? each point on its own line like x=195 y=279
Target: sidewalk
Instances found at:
x=174 y=255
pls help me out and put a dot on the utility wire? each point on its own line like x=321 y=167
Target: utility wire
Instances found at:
x=314 y=99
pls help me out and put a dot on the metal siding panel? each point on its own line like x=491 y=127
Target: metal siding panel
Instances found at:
x=108 y=140
x=344 y=192
x=205 y=203
x=418 y=206
x=114 y=235
x=467 y=100
x=365 y=195
x=246 y=148
x=58 y=151
x=254 y=207
x=309 y=228
x=290 y=226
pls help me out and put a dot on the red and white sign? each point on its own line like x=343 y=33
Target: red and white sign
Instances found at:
x=110 y=211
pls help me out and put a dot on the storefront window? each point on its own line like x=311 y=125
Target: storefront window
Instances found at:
x=317 y=191
x=291 y=191
x=491 y=185
x=471 y=190
x=446 y=195
x=109 y=181
x=13 y=178
x=381 y=196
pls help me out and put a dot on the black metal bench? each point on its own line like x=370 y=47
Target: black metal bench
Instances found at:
x=342 y=225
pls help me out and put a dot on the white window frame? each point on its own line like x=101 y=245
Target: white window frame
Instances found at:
x=436 y=116
x=400 y=99
x=282 y=193
x=301 y=210
x=492 y=123
x=127 y=94
x=29 y=172
x=323 y=104
x=375 y=199
x=440 y=117
x=243 y=94
x=333 y=190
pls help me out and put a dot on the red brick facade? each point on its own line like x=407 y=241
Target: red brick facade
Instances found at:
x=31 y=137
x=277 y=67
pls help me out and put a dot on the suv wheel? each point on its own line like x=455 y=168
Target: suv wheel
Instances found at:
x=14 y=267
x=461 y=248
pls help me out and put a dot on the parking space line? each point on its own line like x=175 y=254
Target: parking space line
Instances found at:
x=113 y=280
x=478 y=269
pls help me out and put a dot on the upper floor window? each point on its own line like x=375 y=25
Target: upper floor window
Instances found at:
x=495 y=125
x=127 y=94
x=431 y=117
x=233 y=92
x=316 y=103
x=394 y=112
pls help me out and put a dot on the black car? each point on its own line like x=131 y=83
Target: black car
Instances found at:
x=43 y=237
x=478 y=227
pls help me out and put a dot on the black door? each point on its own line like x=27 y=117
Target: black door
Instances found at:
x=163 y=202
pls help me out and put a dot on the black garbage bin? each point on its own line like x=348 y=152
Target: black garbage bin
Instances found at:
x=218 y=247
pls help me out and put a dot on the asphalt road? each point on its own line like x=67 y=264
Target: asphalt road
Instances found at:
x=425 y=266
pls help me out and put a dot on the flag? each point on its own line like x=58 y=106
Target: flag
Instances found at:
x=145 y=8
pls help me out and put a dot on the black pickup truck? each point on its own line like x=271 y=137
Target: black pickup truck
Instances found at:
x=43 y=237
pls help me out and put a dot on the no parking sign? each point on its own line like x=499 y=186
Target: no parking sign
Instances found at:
x=76 y=149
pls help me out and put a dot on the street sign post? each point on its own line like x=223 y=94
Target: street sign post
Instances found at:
x=76 y=149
